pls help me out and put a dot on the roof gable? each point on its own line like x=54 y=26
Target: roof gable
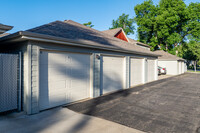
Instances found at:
x=121 y=35
x=118 y=33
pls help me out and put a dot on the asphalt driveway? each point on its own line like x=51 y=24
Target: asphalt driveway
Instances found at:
x=167 y=105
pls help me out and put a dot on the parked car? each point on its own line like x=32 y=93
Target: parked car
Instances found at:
x=162 y=70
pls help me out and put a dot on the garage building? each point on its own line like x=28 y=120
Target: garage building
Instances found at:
x=173 y=64
x=64 y=62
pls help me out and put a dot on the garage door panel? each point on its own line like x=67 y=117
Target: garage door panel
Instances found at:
x=136 y=71
x=57 y=94
x=78 y=83
x=61 y=70
x=57 y=100
x=183 y=67
x=58 y=84
x=151 y=70
x=54 y=85
x=53 y=101
x=180 y=68
x=113 y=74
x=64 y=77
x=84 y=72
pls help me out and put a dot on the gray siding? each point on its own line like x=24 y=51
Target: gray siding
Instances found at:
x=34 y=79
x=127 y=72
x=96 y=76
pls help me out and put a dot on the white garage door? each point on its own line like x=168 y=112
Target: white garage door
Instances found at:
x=113 y=74
x=183 y=67
x=64 y=78
x=180 y=67
x=136 y=71
x=151 y=70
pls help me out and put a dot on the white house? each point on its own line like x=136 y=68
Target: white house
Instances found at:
x=64 y=62
x=173 y=64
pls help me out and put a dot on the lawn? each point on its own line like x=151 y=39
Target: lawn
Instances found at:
x=198 y=71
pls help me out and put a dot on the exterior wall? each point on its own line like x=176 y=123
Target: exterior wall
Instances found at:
x=171 y=67
x=34 y=78
x=127 y=72
x=145 y=70
x=96 y=75
x=179 y=67
x=183 y=67
x=156 y=69
x=32 y=72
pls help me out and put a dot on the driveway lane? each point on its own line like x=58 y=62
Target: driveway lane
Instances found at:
x=167 y=105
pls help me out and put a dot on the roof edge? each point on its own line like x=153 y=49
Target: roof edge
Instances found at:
x=5 y=27
x=145 y=45
x=48 y=38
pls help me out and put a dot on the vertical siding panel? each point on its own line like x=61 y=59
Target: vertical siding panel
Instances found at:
x=34 y=79
x=156 y=69
x=96 y=76
x=145 y=70
x=127 y=72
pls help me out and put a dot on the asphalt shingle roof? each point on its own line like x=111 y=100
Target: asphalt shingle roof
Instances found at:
x=134 y=41
x=78 y=32
x=167 y=56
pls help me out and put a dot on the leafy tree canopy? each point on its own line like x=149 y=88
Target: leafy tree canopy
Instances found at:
x=88 y=24
x=166 y=25
x=125 y=23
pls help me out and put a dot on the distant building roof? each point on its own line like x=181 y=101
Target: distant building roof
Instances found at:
x=4 y=28
x=167 y=56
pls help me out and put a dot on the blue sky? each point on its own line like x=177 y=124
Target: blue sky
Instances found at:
x=26 y=14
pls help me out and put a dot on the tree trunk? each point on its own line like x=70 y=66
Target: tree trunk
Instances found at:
x=124 y=26
x=176 y=44
x=176 y=52
x=195 y=64
x=159 y=46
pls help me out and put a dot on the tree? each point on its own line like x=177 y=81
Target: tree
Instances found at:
x=167 y=25
x=194 y=21
x=88 y=24
x=191 y=51
x=125 y=23
x=145 y=18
